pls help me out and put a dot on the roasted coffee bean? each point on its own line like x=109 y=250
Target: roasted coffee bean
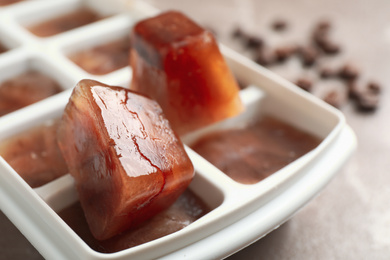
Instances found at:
x=354 y=91
x=334 y=98
x=323 y=25
x=367 y=102
x=248 y=41
x=254 y=42
x=374 y=87
x=279 y=25
x=308 y=55
x=283 y=53
x=238 y=33
x=305 y=84
x=265 y=57
x=321 y=30
x=329 y=47
x=321 y=39
x=349 y=72
x=326 y=45
x=365 y=97
x=326 y=73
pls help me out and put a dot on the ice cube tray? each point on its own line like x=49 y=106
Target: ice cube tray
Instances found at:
x=240 y=213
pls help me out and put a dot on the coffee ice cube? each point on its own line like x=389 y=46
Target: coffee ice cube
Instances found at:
x=178 y=63
x=127 y=162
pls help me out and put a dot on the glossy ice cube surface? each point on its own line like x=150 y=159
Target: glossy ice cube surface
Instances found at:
x=127 y=163
x=178 y=63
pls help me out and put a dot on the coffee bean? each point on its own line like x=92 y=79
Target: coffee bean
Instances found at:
x=329 y=47
x=326 y=45
x=349 y=72
x=283 y=53
x=321 y=39
x=367 y=102
x=279 y=25
x=323 y=25
x=308 y=55
x=354 y=91
x=254 y=42
x=334 y=98
x=238 y=33
x=374 y=87
x=265 y=57
x=305 y=84
x=366 y=99
x=326 y=73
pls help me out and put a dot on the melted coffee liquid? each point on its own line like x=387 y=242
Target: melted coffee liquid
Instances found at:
x=182 y=213
x=105 y=58
x=250 y=154
x=66 y=22
x=35 y=155
x=25 y=89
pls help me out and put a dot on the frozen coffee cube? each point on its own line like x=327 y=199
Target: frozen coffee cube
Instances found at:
x=127 y=163
x=178 y=63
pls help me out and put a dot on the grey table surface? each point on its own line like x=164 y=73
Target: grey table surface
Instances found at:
x=350 y=219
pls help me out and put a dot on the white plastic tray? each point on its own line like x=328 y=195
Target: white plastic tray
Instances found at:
x=240 y=214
